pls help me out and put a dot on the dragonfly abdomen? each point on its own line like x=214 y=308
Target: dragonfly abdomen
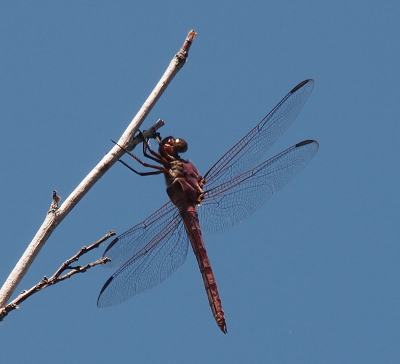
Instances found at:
x=192 y=225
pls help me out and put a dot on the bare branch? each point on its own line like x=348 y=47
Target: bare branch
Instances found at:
x=57 y=276
x=55 y=216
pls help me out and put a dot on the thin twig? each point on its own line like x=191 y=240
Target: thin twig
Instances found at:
x=55 y=216
x=57 y=276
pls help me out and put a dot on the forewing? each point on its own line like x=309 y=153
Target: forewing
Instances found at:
x=151 y=251
x=237 y=199
x=261 y=138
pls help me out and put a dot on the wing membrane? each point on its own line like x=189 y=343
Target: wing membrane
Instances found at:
x=261 y=138
x=237 y=199
x=156 y=248
x=138 y=237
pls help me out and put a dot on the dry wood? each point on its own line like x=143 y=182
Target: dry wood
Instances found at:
x=57 y=276
x=56 y=215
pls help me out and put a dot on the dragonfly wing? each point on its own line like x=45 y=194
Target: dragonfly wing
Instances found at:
x=156 y=248
x=261 y=138
x=136 y=239
x=237 y=199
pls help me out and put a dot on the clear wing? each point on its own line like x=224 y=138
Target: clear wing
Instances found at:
x=158 y=246
x=147 y=254
x=261 y=138
x=235 y=200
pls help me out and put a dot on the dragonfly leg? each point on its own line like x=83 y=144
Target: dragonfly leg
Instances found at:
x=161 y=169
x=155 y=156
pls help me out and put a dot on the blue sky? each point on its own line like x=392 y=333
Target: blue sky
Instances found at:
x=311 y=277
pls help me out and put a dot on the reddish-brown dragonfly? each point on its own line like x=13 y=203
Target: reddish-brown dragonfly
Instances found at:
x=149 y=252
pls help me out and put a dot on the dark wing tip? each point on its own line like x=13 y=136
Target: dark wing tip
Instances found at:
x=110 y=246
x=301 y=84
x=305 y=142
x=103 y=289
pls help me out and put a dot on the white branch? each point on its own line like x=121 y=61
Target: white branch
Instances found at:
x=55 y=216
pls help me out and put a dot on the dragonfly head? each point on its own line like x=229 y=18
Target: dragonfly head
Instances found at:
x=173 y=146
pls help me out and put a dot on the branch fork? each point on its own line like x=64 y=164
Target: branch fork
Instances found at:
x=57 y=276
x=56 y=214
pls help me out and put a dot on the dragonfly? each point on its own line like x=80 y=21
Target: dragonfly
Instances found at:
x=227 y=194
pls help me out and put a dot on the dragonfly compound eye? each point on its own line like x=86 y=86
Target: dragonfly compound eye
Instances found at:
x=180 y=145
